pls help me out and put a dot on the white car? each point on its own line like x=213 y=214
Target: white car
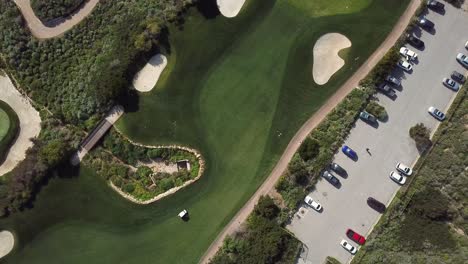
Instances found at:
x=346 y=245
x=407 y=53
x=405 y=65
x=310 y=202
x=404 y=169
x=463 y=59
x=466 y=45
x=436 y=113
x=397 y=177
x=451 y=84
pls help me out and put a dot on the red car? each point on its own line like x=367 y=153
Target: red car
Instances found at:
x=355 y=237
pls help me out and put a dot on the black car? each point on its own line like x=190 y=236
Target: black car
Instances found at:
x=414 y=41
x=386 y=89
x=426 y=23
x=330 y=178
x=367 y=117
x=376 y=205
x=458 y=77
x=338 y=169
x=435 y=5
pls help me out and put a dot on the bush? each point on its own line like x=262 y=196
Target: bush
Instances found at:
x=267 y=208
x=377 y=110
x=309 y=149
x=420 y=134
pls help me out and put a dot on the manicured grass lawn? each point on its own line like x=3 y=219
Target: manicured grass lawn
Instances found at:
x=4 y=124
x=237 y=90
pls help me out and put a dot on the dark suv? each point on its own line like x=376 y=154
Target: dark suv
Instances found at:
x=330 y=178
x=376 y=205
x=458 y=77
x=426 y=24
x=435 y=5
x=414 y=41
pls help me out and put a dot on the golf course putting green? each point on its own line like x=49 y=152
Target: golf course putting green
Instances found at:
x=235 y=89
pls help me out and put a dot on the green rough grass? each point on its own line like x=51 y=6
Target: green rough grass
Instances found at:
x=231 y=86
x=331 y=7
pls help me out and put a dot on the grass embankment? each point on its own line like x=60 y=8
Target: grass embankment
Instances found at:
x=9 y=128
x=237 y=90
x=427 y=220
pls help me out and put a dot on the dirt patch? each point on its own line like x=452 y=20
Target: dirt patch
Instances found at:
x=161 y=166
x=7 y=241
x=30 y=124
x=146 y=78
x=326 y=59
x=230 y=8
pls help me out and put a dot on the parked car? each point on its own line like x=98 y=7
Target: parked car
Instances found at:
x=365 y=116
x=393 y=80
x=451 y=84
x=466 y=45
x=404 y=169
x=376 y=205
x=425 y=23
x=355 y=237
x=330 y=178
x=405 y=65
x=458 y=77
x=386 y=89
x=463 y=59
x=349 y=152
x=397 y=177
x=436 y=113
x=435 y=5
x=408 y=54
x=346 y=245
x=338 y=169
x=414 y=41
x=310 y=202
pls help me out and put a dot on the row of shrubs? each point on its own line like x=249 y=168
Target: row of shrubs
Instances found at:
x=13 y=130
x=262 y=241
x=47 y=10
x=428 y=214
x=116 y=159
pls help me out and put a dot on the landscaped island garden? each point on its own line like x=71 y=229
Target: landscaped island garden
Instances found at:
x=9 y=127
x=234 y=89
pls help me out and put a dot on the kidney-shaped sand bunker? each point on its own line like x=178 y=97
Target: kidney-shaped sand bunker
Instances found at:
x=326 y=59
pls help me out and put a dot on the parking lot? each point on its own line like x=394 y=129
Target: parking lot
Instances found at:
x=388 y=143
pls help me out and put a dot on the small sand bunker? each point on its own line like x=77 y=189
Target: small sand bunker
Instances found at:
x=146 y=79
x=230 y=8
x=7 y=241
x=326 y=59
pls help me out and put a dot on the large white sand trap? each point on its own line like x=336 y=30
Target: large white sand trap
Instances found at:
x=146 y=79
x=7 y=241
x=230 y=8
x=326 y=59
x=30 y=124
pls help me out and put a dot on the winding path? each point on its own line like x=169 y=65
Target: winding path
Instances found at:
x=41 y=31
x=308 y=126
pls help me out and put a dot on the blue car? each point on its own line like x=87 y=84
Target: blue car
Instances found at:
x=349 y=152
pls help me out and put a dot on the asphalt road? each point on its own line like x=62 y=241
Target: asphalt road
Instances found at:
x=389 y=143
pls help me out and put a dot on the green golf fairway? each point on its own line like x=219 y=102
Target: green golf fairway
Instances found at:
x=235 y=89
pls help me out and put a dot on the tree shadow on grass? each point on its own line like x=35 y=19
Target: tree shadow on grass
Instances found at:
x=208 y=8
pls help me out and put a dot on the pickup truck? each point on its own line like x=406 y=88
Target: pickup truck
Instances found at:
x=386 y=89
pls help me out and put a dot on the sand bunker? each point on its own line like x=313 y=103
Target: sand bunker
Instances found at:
x=7 y=241
x=326 y=59
x=146 y=79
x=230 y=8
x=30 y=124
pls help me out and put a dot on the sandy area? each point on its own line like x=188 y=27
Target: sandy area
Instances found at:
x=230 y=8
x=30 y=124
x=7 y=241
x=161 y=166
x=326 y=59
x=60 y=26
x=146 y=78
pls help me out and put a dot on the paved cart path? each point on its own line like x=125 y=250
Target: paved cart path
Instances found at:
x=308 y=126
x=59 y=26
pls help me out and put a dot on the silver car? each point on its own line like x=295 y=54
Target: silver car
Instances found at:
x=463 y=59
x=451 y=84
x=436 y=113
